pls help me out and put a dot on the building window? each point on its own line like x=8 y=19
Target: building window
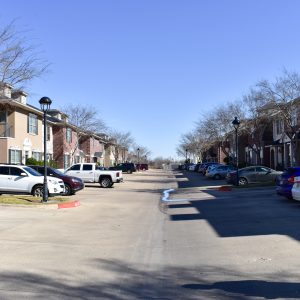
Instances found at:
x=294 y=117
x=2 y=117
x=37 y=155
x=77 y=159
x=69 y=135
x=66 y=161
x=279 y=126
x=32 y=124
x=15 y=156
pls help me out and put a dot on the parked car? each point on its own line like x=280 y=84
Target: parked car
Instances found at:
x=219 y=171
x=205 y=166
x=72 y=184
x=89 y=172
x=254 y=174
x=296 y=189
x=211 y=167
x=125 y=167
x=285 y=182
x=142 y=167
x=19 y=179
x=197 y=167
x=191 y=167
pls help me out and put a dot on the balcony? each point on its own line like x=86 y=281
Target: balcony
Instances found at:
x=6 y=130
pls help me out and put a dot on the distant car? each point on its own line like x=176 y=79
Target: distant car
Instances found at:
x=142 y=167
x=205 y=166
x=72 y=184
x=254 y=174
x=191 y=167
x=296 y=189
x=125 y=167
x=285 y=182
x=219 y=172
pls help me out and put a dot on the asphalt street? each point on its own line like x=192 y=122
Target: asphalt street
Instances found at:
x=119 y=244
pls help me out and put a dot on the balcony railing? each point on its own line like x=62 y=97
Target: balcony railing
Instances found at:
x=6 y=130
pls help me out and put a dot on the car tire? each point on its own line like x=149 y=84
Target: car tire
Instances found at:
x=106 y=182
x=38 y=191
x=68 y=190
x=217 y=177
x=243 y=181
x=129 y=171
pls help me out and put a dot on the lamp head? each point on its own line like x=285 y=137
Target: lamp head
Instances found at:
x=236 y=123
x=45 y=103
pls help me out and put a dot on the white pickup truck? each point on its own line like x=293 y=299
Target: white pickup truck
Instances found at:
x=90 y=172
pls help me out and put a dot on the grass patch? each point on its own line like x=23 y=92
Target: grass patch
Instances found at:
x=30 y=200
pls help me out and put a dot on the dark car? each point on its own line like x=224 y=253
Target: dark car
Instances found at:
x=285 y=182
x=254 y=174
x=142 y=167
x=125 y=167
x=72 y=184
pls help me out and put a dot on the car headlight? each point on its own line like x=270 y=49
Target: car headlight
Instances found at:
x=76 y=180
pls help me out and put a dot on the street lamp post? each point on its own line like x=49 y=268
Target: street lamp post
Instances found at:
x=236 y=123
x=138 y=157
x=186 y=153
x=45 y=103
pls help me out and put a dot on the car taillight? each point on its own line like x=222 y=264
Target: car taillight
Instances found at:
x=118 y=174
x=291 y=179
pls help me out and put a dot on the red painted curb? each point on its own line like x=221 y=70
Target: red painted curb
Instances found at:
x=68 y=204
x=225 y=189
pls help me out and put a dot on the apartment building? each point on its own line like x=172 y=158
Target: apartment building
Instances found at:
x=21 y=128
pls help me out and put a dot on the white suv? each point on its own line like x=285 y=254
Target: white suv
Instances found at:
x=16 y=179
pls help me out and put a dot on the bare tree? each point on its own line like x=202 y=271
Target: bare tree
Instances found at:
x=257 y=121
x=139 y=154
x=194 y=143
x=283 y=97
x=217 y=124
x=86 y=121
x=20 y=62
x=123 y=141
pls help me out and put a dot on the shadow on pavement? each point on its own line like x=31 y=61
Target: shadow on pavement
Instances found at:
x=127 y=282
x=253 y=288
x=187 y=179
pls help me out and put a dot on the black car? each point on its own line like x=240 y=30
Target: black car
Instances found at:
x=72 y=184
x=125 y=167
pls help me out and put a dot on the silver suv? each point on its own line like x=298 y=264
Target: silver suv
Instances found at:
x=17 y=179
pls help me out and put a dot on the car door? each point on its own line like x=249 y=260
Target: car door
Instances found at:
x=87 y=173
x=17 y=182
x=249 y=174
x=263 y=174
x=4 y=175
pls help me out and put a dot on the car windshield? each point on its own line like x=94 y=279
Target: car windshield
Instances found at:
x=32 y=171
x=55 y=171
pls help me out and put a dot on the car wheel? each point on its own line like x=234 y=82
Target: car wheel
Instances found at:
x=106 y=182
x=68 y=190
x=217 y=176
x=38 y=191
x=129 y=171
x=243 y=181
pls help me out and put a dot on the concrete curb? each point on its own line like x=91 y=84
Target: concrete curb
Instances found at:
x=68 y=204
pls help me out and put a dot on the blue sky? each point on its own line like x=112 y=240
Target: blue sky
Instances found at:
x=152 y=67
